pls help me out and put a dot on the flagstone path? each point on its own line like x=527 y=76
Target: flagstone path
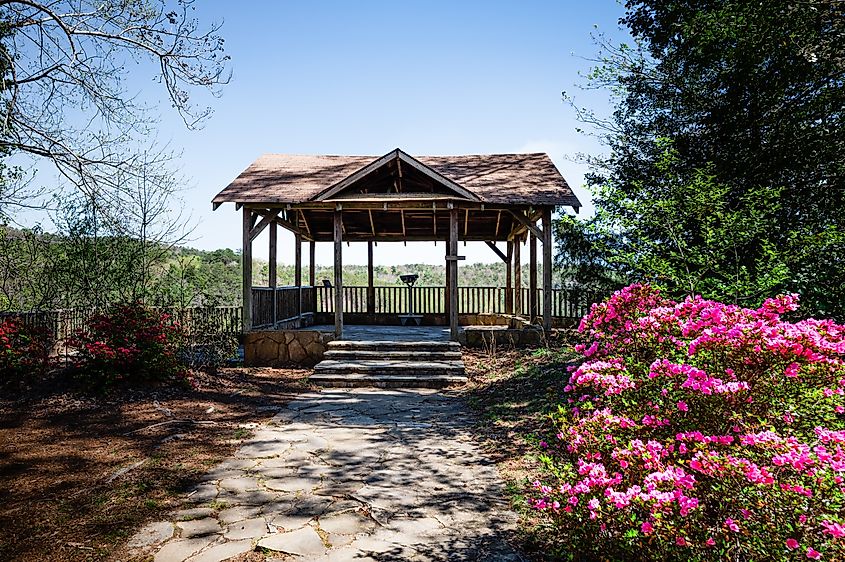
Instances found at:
x=348 y=474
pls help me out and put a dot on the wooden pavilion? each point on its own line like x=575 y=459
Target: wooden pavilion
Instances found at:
x=394 y=198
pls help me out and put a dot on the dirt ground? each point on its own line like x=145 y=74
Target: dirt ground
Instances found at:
x=79 y=474
x=512 y=392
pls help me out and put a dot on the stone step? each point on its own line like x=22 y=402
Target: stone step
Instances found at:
x=347 y=380
x=376 y=345
x=376 y=366
x=393 y=355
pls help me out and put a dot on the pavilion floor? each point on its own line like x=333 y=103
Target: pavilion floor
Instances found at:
x=355 y=332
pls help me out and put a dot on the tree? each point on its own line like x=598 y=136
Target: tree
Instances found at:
x=66 y=100
x=752 y=95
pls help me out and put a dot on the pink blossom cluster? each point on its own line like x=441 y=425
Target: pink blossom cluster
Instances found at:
x=699 y=424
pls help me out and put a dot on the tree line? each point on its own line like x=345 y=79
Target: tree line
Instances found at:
x=724 y=172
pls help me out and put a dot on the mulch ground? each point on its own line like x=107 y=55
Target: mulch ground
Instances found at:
x=512 y=392
x=79 y=473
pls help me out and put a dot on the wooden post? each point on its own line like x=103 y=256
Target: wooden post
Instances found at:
x=338 y=274
x=371 y=290
x=547 y=268
x=446 y=304
x=272 y=268
x=532 y=277
x=312 y=274
x=509 y=280
x=297 y=270
x=517 y=275
x=246 y=258
x=273 y=256
x=452 y=268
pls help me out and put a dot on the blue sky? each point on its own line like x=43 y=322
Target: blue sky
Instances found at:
x=366 y=77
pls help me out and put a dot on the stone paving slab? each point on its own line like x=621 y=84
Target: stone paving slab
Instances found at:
x=347 y=474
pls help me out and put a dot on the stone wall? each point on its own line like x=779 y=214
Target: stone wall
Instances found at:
x=275 y=348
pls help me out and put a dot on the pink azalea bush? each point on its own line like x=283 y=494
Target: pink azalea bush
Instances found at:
x=698 y=430
x=129 y=344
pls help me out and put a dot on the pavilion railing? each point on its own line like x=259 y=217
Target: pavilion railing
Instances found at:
x=282 y=304
x=566 y=303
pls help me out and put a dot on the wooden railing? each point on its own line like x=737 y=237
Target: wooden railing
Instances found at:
x=290 y=302
x=59 y=325
x=566 y=303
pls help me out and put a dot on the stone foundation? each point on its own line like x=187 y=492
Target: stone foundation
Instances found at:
x=275 y=348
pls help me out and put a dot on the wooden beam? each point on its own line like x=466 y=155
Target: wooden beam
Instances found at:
x=498 y=220
x=402 y=214
x=312 y=262
x=532 y=277
x=338 y=274
x=215 y=206
x=371 y=290
x=312 y=273
x=289 y=226
x=498 y=252
x=466 y=223
x=273 y=256
x=266 y=219
x=517 y=276
x=408 y=160
x=452 y=266
x=297 y=271
x=527 y=223
x=305 y=222
x=372 y=224
x=509 y=281
x=246 y=270
x=547 y=268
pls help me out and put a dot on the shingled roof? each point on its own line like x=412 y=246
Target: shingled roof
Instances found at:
x=507 y=179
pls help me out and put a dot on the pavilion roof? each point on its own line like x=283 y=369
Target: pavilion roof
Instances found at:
x=503 y=179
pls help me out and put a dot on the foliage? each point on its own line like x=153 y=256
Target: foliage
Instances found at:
x=128 y=345
x=203 y=345
x=66 y=100
x=686 y=234
x=697 y=430
x=751 y=95
x=41 y=271
x=23 y=350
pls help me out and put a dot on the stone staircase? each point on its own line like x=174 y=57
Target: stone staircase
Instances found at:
x=390 y=364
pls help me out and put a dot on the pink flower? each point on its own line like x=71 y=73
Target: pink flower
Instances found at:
x=802 y=518
x=647 y=528
x=814 y=554
x=682 y=406
x=711 y=542
x=680 y=541
x=791 y=544
x=834 y=529
x=731 y=524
